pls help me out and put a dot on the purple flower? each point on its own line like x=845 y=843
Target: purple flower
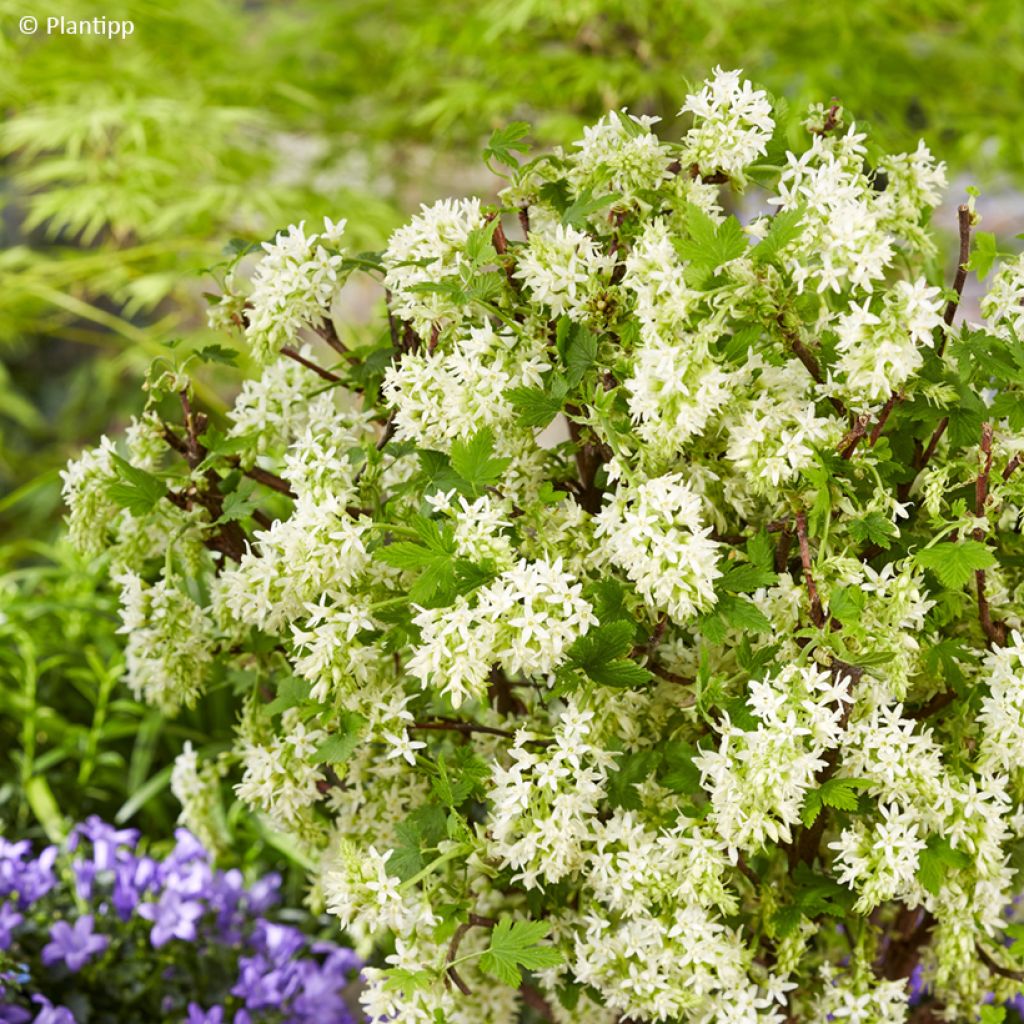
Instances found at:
x=74 y=945
x=50 y=1014
x=9 y=920
x=85 y=875
x=31 y=880
x=173 y=917
x=11 y=1014
x=264 y=893
x=197 y=1015
x=105 y=840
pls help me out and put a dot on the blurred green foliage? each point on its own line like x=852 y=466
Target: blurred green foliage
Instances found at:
x=126 y=165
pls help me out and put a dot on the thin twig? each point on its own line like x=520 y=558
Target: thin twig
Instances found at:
x=473 y=921
x=817 y=615
x=963 y=214
x=876 y=431
x=310 y=365
x=454 y=725
x=1004 y=972
x=852 y=439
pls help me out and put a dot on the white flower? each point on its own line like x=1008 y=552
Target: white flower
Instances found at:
x=732 y=124
x=655 y=533
x=293 y=286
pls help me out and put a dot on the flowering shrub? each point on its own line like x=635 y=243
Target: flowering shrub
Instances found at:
x=102 y=932
x=632 y=630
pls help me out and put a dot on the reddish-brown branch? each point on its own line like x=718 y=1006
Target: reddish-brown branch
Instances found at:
x=817 y=615
x=849 y=443
x=310 y=365
x=904 y=951
x=782 y=548
x=536 y=1002
x=326 y=331
x=996 y=968
x=524 y=220
x=271 y=480
x=963 y=214
x=454 y=725
x=451 y=975
x=193 y=449
x=1011 y=467
x=936 y=704
x=807 y=357
x=887 y=409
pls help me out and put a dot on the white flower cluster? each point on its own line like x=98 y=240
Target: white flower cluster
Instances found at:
x=774 y=434
x=428 y=251
x=1002 y=710
x=879 y=349
x=524 y=622
x=619 y=154
x=91 y=510
x=293 y=287
x=546 y=802
x=1003 y=304
x=861 y=999
x=169 y=646
x=849 y=226
x=732 y=124
x=281 y=777
x=567 y=271
x=196 y=786
x=758 y=779
x=462 y=386
x=655 y=534
x=265 y=591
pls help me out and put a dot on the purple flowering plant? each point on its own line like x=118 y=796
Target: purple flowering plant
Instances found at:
x=103 y=931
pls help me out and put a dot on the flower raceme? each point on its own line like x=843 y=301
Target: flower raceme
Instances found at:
x=630 y=628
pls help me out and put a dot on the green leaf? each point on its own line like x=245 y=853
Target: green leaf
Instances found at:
x=339 y=747
x=517 y=944
x=537 y=407
x=745 y=578
x=585 y=205
x=935 y=861
x=678 y=770
x=135 y=490
x=217 y=354
x=475 y=462
x=983 y=254
x=992 y=1015
x=603 y=643
x=742 y=613
x=874 y=528
x=291 y=692
x=710 y=245
x=238 y=504
x=601 y=654
x=761 y=550
x=846 y=603
x=504 y=142
x=955 y=563
x=632 y=769
x=580 y=355
x=841 y=794
x=785 y=228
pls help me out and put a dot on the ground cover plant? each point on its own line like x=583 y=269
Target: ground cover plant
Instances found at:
x=103 y=930
x=633 y=631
